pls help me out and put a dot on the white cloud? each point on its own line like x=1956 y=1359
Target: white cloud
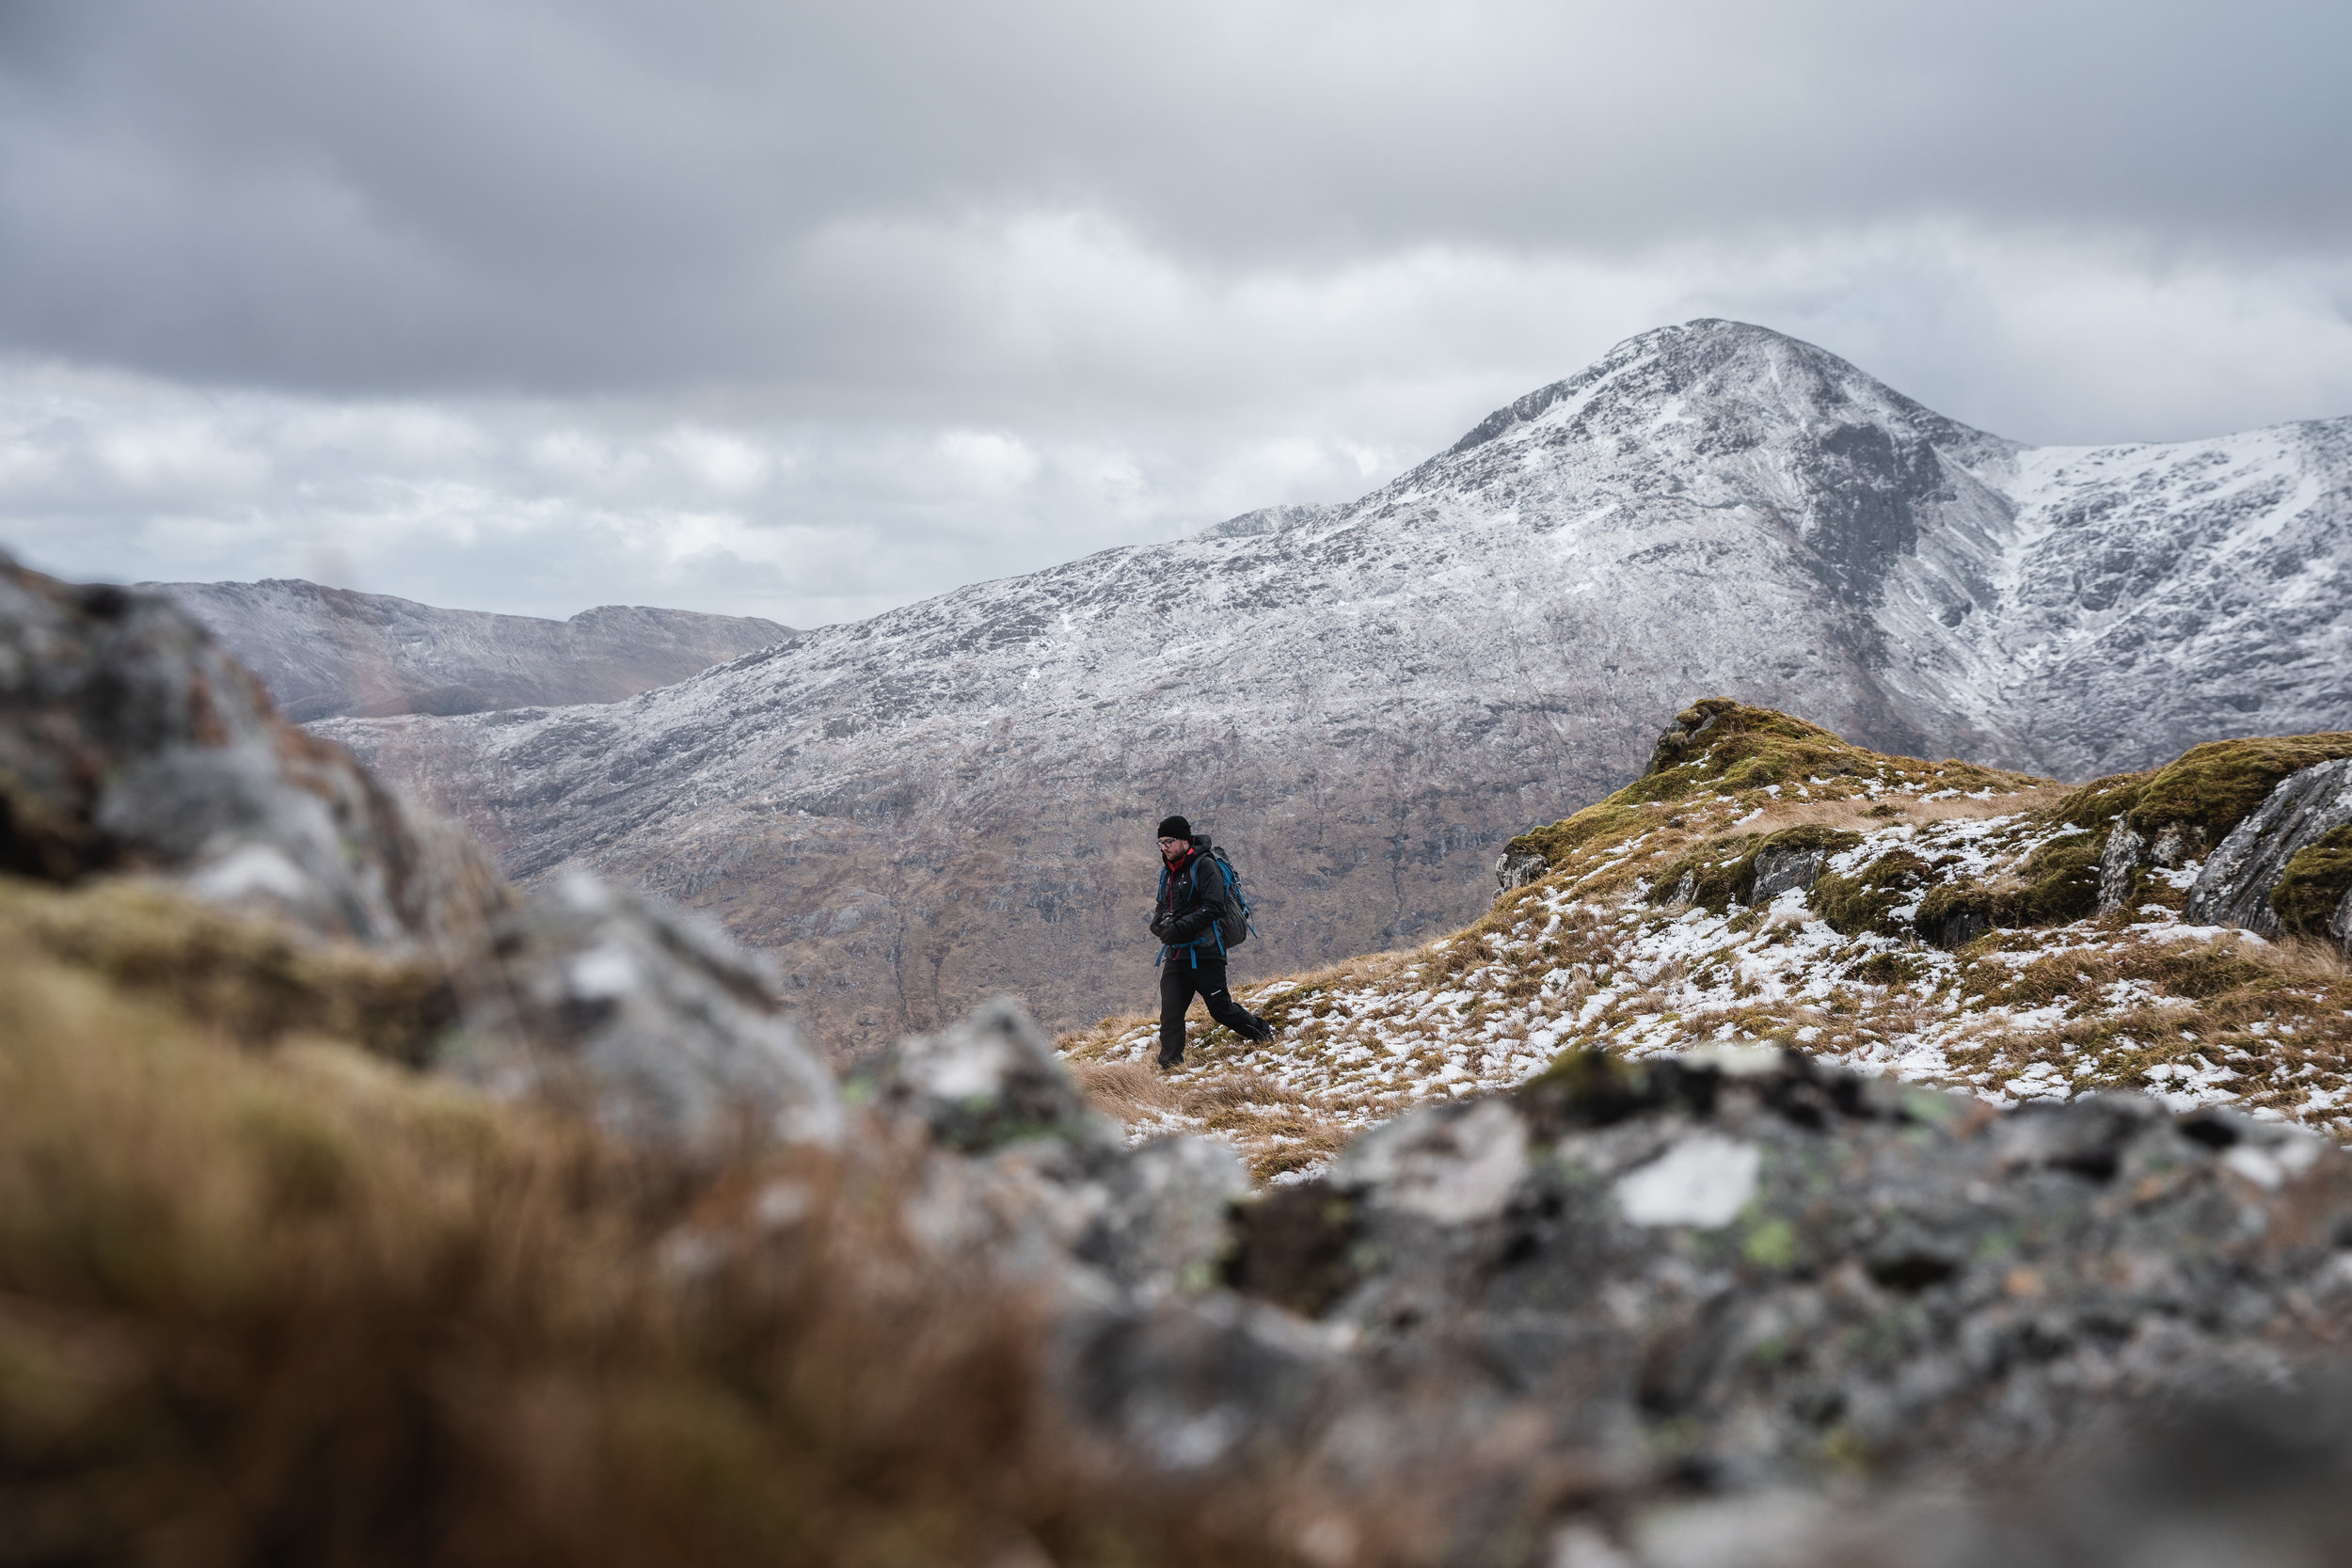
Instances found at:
x=1112 y=392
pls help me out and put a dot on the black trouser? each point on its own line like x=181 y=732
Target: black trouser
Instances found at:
x=1186 y=971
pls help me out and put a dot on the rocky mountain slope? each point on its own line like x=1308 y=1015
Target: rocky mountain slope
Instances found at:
x=356 y=1208
x=2179 y=932
x=324 y=653
x=1364 y=700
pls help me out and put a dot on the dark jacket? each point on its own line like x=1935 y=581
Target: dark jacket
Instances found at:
x=1185 y=914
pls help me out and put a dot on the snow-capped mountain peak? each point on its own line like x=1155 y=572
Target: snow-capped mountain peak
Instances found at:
x=1363 y=698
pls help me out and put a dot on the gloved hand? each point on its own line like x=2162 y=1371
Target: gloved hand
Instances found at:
x=1161 y=924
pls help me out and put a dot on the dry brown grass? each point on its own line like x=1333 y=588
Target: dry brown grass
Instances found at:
x=1858 y=814
x=1273 y=1126
x=295 y=1303
x=254 y=979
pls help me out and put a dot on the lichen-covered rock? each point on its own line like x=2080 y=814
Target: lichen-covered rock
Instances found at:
x=655 y=1024
x=1781 y=867
x=988 y=1081
x=130 y=741
x=1149 y=1219
x=1515 y=868
x=2235 y=887
x=1777 y=1269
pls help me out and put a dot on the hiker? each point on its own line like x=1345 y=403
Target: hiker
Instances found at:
x=1193 y=892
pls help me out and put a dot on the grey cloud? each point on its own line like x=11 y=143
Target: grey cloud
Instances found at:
x=1110 y=397
x=609 y=197
x=803 y=310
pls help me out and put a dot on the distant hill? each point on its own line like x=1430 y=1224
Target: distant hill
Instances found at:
x=328 y=653
x=1364 y=702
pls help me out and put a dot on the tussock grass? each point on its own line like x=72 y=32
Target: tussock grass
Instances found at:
x=266 y=1295
x=254 y=979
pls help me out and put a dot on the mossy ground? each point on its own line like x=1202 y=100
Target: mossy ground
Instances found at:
x=2041 y=999
x=2317 y=879
x=2215 y=786
x=267 y=1295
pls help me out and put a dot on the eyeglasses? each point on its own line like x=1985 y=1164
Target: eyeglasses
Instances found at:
x=1167 y=841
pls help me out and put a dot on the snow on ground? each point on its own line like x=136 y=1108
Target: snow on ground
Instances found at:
x=2141 y=999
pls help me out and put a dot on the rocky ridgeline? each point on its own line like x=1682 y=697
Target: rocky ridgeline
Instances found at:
x=1734 y=1309
x=2175 y=932
x=326 y=653
x=1366 y=701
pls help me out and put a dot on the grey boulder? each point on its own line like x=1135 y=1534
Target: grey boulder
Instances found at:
x=2235 y=888
x=657 y=1026
x=1150 y=1219
x=130 y=741
x=1786 y=866
x=1517 y=868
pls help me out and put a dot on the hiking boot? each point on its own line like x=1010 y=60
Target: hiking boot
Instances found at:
x=1260 y=1031
x=1168 y=1061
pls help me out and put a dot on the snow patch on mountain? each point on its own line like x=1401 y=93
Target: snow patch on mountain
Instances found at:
x=954 y=798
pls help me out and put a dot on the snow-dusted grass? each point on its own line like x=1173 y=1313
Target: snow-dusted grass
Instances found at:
x=1584 y=960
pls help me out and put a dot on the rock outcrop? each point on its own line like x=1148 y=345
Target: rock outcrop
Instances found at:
x=1515 y=868
x=2243 y=876
x=131 y=740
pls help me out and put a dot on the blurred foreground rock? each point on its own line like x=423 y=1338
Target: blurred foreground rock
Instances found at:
x=1722 y=1311
x=1781 y=1271
x=1150 y=1219
x=131 y=741
x=1750 y=1310
x=658 y=1025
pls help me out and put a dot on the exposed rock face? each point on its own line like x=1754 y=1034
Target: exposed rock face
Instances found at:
x=130 y=740
x=2236 y=885
x=1151 y=1219
x=1781 y=868
x=656 y=1026
x=327 y=652
x=1366 y=701
x=1786 y=1260
x=1517 y=868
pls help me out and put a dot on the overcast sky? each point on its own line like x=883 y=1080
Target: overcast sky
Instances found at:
x=806 y=310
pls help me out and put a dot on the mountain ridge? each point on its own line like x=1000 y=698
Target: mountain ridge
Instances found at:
x=1365 y=699
x=328 y=653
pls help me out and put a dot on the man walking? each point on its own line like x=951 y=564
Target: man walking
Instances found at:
x=1192 y=955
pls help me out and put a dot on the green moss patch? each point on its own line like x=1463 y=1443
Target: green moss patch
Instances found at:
x=1722 y=747
x=2098 y=803
x=2315 y=881
x=2215 y=786
x=1722 y=871
x=1726 y=747
x=1860 y=903
x=1596 y=825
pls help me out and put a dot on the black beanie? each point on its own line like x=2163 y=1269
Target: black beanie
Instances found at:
x=1175 y=827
